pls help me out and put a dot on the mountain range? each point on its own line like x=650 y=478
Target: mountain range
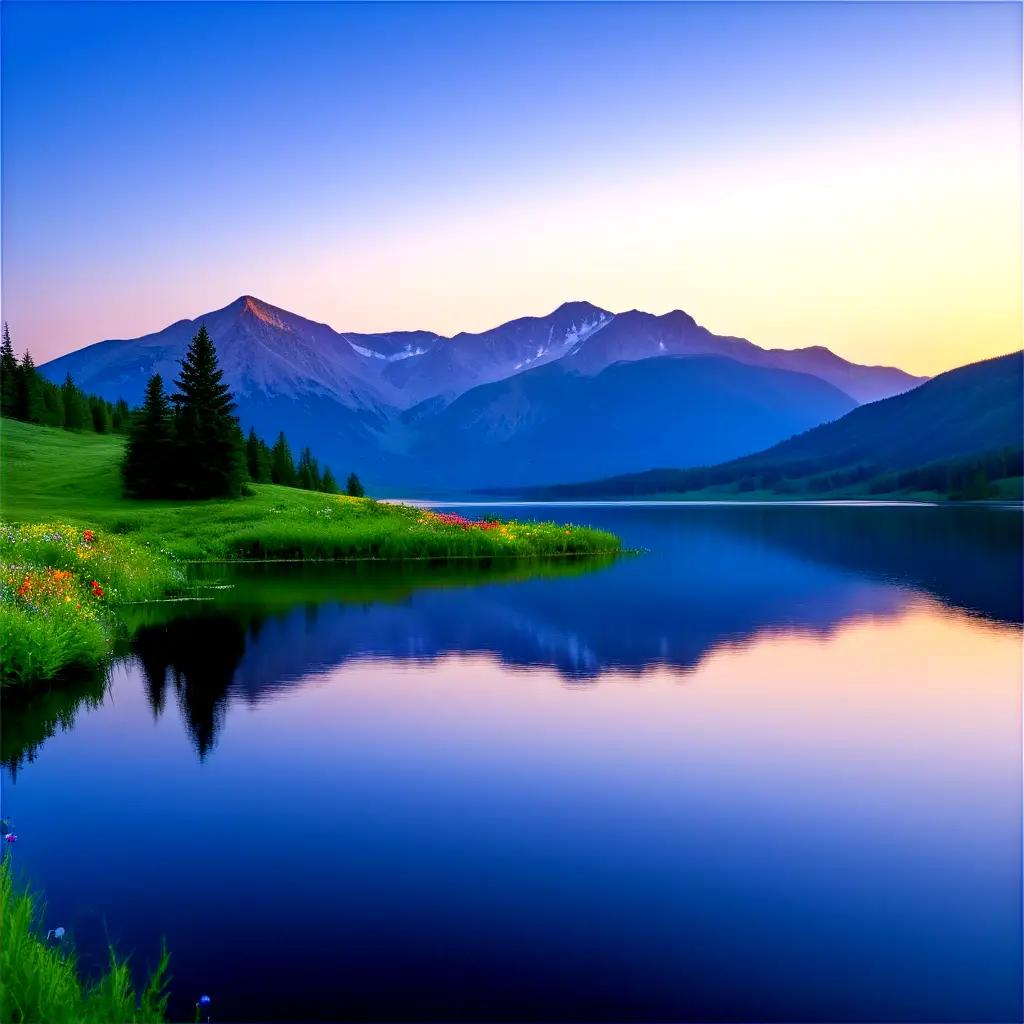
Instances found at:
x=960 y=422
x=579 y=392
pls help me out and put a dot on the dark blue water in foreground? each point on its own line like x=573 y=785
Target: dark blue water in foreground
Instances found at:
x=769 y=770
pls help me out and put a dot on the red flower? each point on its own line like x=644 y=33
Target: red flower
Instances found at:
x=97 y=590
x=88 y=536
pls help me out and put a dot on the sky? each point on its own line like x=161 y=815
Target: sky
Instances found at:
x=797 y=174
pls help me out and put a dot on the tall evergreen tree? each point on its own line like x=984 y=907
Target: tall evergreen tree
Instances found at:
x=210 y=447
x=354 y=487
x=29 y=400
x=308 y=471
x=53 y=404
x=121 y=419
x=266 y=459
x=99 y=411
x=76 y=406
x=8 y=376
x=327 y=482
x=282 y=466
x=258 y=458
x=148 y=465
x=252 y=455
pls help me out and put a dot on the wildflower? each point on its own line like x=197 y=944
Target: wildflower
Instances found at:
x=88 y=536
x=97 y=590
x=10 y=837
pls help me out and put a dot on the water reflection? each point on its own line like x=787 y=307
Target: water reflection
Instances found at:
x=769 y=770
x=30 y=719
x=710 y=578
x=197 y=657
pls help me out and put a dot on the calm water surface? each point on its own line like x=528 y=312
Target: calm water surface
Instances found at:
x=769 y=770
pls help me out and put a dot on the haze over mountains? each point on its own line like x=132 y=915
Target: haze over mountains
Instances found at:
x=580 y=392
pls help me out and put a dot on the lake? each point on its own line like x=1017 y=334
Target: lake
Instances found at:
x=769 y=769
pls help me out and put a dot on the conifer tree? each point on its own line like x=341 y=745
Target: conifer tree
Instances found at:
x=8 y=376
x=210 y=448
x=29 y=399
x=258 y=458
x=99 y=411
x=354 y=487
x=75 y=405
x=308 y=471
x=282 y=468
x=327 y=482
x=121 y=418
x=265 y=458
x=252 y=455
x=148 y=464
x=53 y=404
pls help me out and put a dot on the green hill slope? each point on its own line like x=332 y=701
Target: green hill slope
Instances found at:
x=58 y=475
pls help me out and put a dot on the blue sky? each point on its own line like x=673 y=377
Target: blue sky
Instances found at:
x=448 y=166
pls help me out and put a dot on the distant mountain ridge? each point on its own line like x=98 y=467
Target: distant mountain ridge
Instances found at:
x=967 y=419
x=378 y=398
x=264 y=347
x=551 y=421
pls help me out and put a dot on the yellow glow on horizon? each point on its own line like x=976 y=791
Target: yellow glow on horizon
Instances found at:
x=895 y=244
x=887 y=246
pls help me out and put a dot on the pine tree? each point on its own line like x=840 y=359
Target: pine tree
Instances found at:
x=266 y=459
x=8 y=376
x=252 y=455
x=53 y=404
x=353 y=487
x=29 y=400
x=76 y=410
x=308 y=471
x=327 y=482
x=121 y=420
x=210 y=448
x=257 y=458
x=148 y=464
x=99 y=411
x=282 y=467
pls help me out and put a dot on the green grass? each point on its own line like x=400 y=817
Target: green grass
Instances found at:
x=49 y=473
x=59 y=586
x=40 y=981
x=96 y=549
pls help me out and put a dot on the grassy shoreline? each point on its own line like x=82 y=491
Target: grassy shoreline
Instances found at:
x=40 y=980
x=60 y=587
x=97 y=549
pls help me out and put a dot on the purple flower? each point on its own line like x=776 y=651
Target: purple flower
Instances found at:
x=10 y=837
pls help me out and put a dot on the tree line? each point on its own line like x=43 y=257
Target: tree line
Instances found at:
x=276 y=465
x=25 y=394
x=188 y=444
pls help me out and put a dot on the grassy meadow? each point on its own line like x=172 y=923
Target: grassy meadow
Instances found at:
x=51 y=474
x=74 y=549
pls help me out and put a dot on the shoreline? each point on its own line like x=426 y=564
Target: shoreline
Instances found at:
x=701 y=502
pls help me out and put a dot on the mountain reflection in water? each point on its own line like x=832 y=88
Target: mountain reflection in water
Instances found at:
x=769 y=769
x=706 y=577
